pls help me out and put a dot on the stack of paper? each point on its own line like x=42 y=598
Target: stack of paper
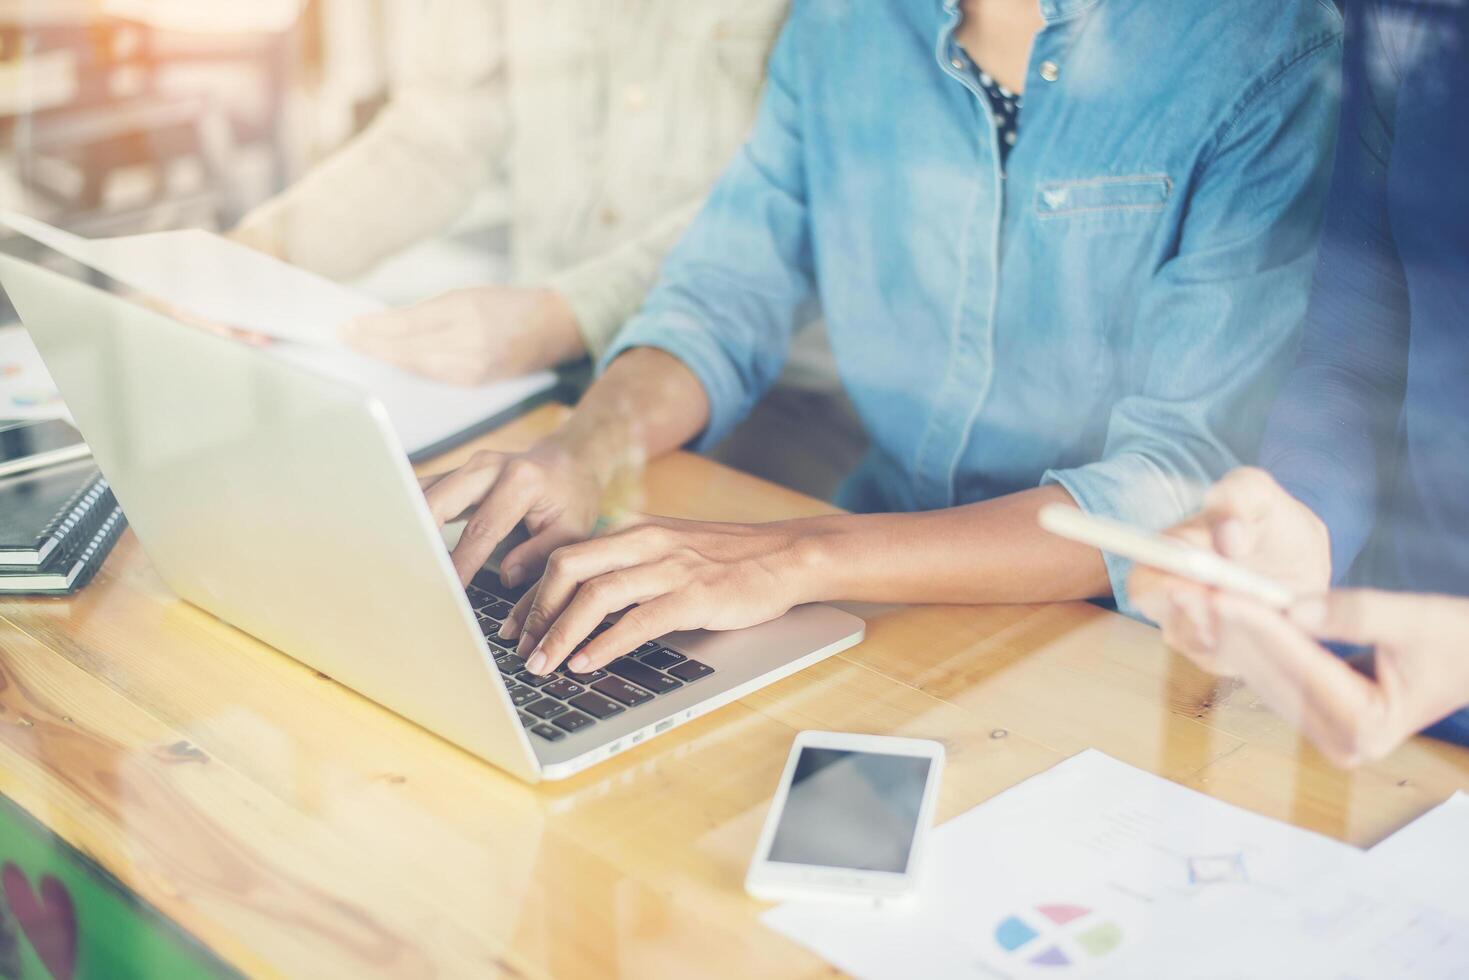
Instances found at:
x=219 y=281
x=1098 y=868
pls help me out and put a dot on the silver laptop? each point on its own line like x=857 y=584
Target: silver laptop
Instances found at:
x=281 y=502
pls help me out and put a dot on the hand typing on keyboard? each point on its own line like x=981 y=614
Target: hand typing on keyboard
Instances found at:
x=554 y=706
x=669 y=575
x=546 y=488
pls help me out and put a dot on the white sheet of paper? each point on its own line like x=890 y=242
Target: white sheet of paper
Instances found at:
x=213 y=278
x=423 y=412
x=1400 y=911
x=1069 y=872
x=26 y=389
x=1365 y=921
x=1433 y=853
x=217 y=280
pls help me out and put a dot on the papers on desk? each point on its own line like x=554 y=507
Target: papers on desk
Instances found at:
x=1360 y=922
x=1095 y=868
x=220 y=281
x=1399 y=910
x=212 y=278
x=1432 y=853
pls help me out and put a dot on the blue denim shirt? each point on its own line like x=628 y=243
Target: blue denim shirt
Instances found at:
x=1113 y=313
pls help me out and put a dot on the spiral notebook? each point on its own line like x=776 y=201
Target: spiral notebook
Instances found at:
x=39 y=509
x=56 y=527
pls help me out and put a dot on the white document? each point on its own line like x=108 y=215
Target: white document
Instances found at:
x=1073 y=872
x=217 y=280
x=1365 y=922
x=424 y=413
x=1401 y=910
x=214 y=279
x=1433 y=853
x=26 y=389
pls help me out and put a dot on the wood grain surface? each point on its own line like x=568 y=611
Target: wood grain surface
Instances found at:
x=300 y=830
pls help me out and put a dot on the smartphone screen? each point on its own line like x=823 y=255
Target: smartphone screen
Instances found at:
x=848 y=809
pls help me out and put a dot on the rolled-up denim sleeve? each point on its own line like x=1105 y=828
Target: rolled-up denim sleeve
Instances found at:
x=1219 y=323
x=730 y=293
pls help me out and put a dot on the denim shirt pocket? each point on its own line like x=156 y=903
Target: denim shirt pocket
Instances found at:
x=1103 y=198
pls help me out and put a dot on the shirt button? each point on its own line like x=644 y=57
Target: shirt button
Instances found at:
x=636 y=96
x=957 y=63
x=610 y=216
x=1050 y=71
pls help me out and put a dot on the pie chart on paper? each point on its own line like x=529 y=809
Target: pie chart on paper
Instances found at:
x=1058 y=935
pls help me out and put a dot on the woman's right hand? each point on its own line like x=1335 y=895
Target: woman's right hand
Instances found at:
x=557 y=497
x=1250 y=519
x=1418 y=672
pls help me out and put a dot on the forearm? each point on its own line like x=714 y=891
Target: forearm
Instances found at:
x=989 y=552
x=392 y=186
x=646 y=404
x=413 y=170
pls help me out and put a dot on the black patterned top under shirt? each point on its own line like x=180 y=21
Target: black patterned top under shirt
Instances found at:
x=1005 y=107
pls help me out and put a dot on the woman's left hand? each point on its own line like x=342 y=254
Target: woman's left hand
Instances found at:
x=669 y=575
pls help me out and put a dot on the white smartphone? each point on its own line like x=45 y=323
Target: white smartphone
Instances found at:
x=850 y=819
x=1158 y=551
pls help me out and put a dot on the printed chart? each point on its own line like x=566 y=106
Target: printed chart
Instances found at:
x=26 y=390
x=1058 y=935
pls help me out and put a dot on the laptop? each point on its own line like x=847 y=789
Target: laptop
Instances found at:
x=280 y=501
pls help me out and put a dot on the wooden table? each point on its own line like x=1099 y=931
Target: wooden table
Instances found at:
x=298 y=829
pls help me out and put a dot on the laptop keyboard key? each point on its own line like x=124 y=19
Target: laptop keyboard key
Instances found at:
x=643 y=676
x=620 y=690
x=524 y=696
x=572 y=721
x=690 y=670
x=528 y=720
x=662 y=658
x=562 y=688
x=510 y=664
x=587 y=678
x=546 y=708
x=488 y=581
x=596 y=705
x=534 y=680
x=549 y=732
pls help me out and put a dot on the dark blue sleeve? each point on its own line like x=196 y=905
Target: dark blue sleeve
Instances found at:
x=1330 y=434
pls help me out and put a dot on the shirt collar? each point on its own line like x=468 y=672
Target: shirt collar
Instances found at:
x=1051 y=10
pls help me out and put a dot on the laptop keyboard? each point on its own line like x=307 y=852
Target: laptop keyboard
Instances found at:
x=561 y=703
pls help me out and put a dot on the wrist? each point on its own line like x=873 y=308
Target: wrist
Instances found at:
x=604 y=452
x=815 y=567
